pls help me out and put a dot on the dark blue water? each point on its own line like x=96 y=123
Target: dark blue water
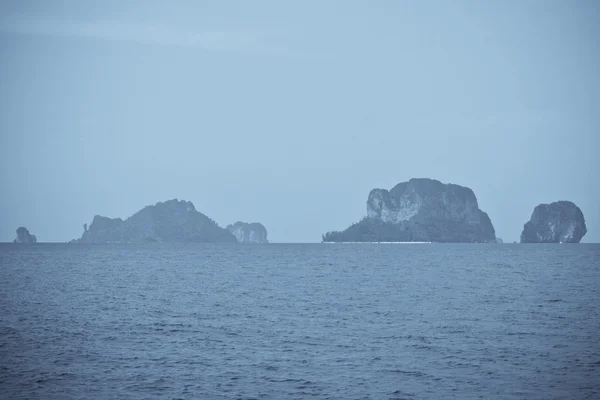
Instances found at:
x=359 y=321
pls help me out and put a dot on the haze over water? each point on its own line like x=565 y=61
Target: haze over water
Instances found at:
x=289 y=113
x=337 y=321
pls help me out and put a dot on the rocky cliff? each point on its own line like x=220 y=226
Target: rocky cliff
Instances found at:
x=420 y=210
x=23 y=236
x=558 y=222
x=169 y=221
x=248 y=233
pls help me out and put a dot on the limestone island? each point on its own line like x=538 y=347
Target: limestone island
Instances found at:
x=420 y=210
x=558 y=222
x=169 y=221
x=248 y=232
x=24 y=237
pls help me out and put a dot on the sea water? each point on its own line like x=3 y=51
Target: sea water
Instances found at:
x=345 y=321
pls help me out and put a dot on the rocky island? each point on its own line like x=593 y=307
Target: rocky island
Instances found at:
x=24 y=237
x=169 y=221
x=248 y=232
x=420 y=210
x=558 y=222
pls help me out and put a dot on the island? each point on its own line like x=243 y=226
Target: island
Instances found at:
x=24 y=237
x=420 y=210
x=558 y=222
x=248 y=232
x=168 y=221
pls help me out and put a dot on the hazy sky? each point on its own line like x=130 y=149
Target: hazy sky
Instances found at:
x=289 y=113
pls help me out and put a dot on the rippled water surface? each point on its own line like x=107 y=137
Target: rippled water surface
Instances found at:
x=353 y=321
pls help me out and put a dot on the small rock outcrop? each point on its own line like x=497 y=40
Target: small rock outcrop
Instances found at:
x=558 y=222
x=169 y=221
x=420 y=210
x=248 y=232
x=23 y=236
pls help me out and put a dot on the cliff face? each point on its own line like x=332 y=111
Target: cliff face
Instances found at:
x=248 y=233
x=169 y=221
x=558 y=222
x=104 y=230
x=420 y=210
x=23 y=236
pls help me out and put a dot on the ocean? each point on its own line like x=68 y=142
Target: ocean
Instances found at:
x=300 y=321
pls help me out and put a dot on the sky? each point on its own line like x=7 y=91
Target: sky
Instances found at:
x=289 y=113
